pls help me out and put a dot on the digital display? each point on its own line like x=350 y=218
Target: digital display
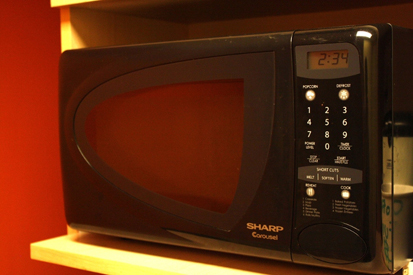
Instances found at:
x=337 y=59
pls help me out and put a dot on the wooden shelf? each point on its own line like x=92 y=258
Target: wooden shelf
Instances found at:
x=110 y=255
x=61 y=3
x=196 y=11
x=91 y=23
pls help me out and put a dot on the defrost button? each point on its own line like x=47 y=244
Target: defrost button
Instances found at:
x=343 y=94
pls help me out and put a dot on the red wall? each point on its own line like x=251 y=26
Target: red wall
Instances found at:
x=31 y=200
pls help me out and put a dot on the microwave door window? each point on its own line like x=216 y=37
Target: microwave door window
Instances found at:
x=183 y=141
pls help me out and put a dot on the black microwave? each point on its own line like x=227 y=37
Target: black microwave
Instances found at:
x=293 y=146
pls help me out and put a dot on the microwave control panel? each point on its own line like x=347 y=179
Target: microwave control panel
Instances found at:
x=329 y=114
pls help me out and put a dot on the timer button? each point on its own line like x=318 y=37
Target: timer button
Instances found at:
x=343 y=94
x=310 y=95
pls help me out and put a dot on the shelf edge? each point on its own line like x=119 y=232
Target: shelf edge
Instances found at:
x=61 y=3
x=66 y=251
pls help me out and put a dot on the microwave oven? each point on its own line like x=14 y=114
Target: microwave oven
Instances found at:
x=293 y=145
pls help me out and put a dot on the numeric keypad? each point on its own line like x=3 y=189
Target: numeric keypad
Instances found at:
x=329 y=121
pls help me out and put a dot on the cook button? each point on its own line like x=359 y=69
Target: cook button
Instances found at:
x=345 y=194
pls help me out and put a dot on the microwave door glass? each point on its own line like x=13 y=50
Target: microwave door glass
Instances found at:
x=183 y=141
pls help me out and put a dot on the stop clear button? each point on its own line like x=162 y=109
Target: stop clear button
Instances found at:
x=332 y=243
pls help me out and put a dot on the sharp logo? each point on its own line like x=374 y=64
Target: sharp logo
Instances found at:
x=264 y=227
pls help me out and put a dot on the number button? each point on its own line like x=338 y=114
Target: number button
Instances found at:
x=345 y=122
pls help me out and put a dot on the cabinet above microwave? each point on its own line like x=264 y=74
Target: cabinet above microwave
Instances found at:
x=90 y=23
